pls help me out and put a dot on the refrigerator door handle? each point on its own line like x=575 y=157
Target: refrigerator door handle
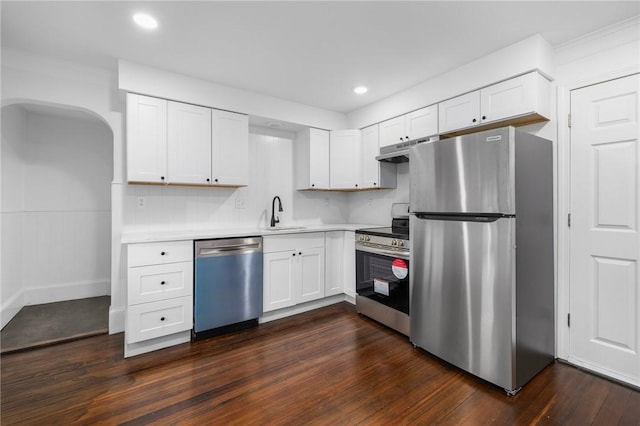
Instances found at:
x=470 y=217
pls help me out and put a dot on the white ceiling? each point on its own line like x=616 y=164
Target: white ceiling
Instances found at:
x=309 y=52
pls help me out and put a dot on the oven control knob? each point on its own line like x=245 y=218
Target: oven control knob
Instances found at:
x=367 y=238
x=394 y=243
x=400 y=243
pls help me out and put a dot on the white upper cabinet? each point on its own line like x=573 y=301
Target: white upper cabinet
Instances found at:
x=527 y=94
x=229 y=148
x=344 y=159
x=189 y=143
x=374 y=173
x=146 y=139
x=176 y=143
x=392 y=131
x=311 y=153
x=414 y=125
x=421 y=123
x=459 y=112
x=520 y=100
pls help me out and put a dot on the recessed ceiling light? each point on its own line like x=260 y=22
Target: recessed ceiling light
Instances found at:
x=360 y=90
x=145 y=21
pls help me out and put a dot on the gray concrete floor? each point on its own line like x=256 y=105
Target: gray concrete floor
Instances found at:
x=50 y=323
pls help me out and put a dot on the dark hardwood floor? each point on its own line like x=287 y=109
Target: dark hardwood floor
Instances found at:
x=329 y=366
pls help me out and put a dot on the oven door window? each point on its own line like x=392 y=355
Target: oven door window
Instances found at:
x=384 y=279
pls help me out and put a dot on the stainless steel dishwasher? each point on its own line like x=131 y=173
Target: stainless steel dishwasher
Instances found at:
x=227 y=285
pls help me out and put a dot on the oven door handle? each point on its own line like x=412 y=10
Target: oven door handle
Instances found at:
x=384 y=252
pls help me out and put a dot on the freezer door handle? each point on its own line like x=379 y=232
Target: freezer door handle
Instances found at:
x=470 y=217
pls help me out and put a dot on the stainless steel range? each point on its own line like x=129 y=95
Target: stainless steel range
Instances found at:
x=382 y=271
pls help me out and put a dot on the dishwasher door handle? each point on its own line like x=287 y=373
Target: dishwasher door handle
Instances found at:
x=229 y=250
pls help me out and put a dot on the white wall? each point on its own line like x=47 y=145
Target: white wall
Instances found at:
x=154 y=82
x=609 y=53
x=58 y=188
x=270 y=174
x=532 y=53
x=14 y=135
x=374 y=207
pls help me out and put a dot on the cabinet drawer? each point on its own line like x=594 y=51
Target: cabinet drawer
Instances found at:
x=274 y=243
x=156 y=319
x=159 y=253
x=159 y=282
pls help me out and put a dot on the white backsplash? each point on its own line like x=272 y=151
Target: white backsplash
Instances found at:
x=148 y=207
x=374 y=207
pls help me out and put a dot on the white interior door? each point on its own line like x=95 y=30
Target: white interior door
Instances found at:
x=604 y=240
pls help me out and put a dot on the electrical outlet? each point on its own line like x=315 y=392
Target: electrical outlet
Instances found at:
x=141 y=202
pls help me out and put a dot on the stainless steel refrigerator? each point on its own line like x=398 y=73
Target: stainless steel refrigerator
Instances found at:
x=482 y=254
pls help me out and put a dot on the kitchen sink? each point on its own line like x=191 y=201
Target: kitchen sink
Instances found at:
x=285 y=228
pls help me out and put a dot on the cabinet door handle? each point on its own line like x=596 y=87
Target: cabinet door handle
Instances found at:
x=208 y=180
x=374 y=184
x=313 y=185
x=484 y=117
x=162 y=319
x=162 y=253
x=215 y=180
x=294 y=254
x=299 y=253
x=162 y=282
x=161 y=177
x=474 y=120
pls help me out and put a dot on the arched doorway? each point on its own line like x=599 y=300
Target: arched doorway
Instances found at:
x=57 y=169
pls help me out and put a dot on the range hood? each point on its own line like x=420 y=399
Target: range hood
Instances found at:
x=399 y=153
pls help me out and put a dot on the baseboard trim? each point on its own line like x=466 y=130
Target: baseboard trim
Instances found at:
x=298 y=309
x=633 y=382
x=11 y=307
x=67 y=291
x=116 y=320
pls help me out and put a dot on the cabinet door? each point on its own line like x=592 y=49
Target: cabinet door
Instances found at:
x=392 y=131
x=510 y=98
x=318 y=159
x=161 y=318
x=459 y=113
x=310 y=272
x=350 y=263
x=159 y=282
x=344 y=154
x=278 y=274
x=369 y=166
x=229 y=148
x=146 y=139
x=334 y=263
x=422 y=123
x=189 y=143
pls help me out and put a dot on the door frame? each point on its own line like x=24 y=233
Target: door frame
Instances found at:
x=563 y=349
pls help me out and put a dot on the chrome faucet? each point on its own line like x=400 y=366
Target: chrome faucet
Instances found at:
x=274 y=218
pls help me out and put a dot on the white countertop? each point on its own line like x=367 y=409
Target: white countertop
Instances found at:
x=198 y=234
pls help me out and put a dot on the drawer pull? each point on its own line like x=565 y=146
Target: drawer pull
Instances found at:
x=162 y=253
x=162 y=319
x=163 y=282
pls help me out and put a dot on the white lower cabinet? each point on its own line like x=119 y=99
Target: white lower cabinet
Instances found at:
x=278 y=280
x=156 y=319
x=159 y=295
x=294 y=269
x=349 y=259
x=334 y=265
